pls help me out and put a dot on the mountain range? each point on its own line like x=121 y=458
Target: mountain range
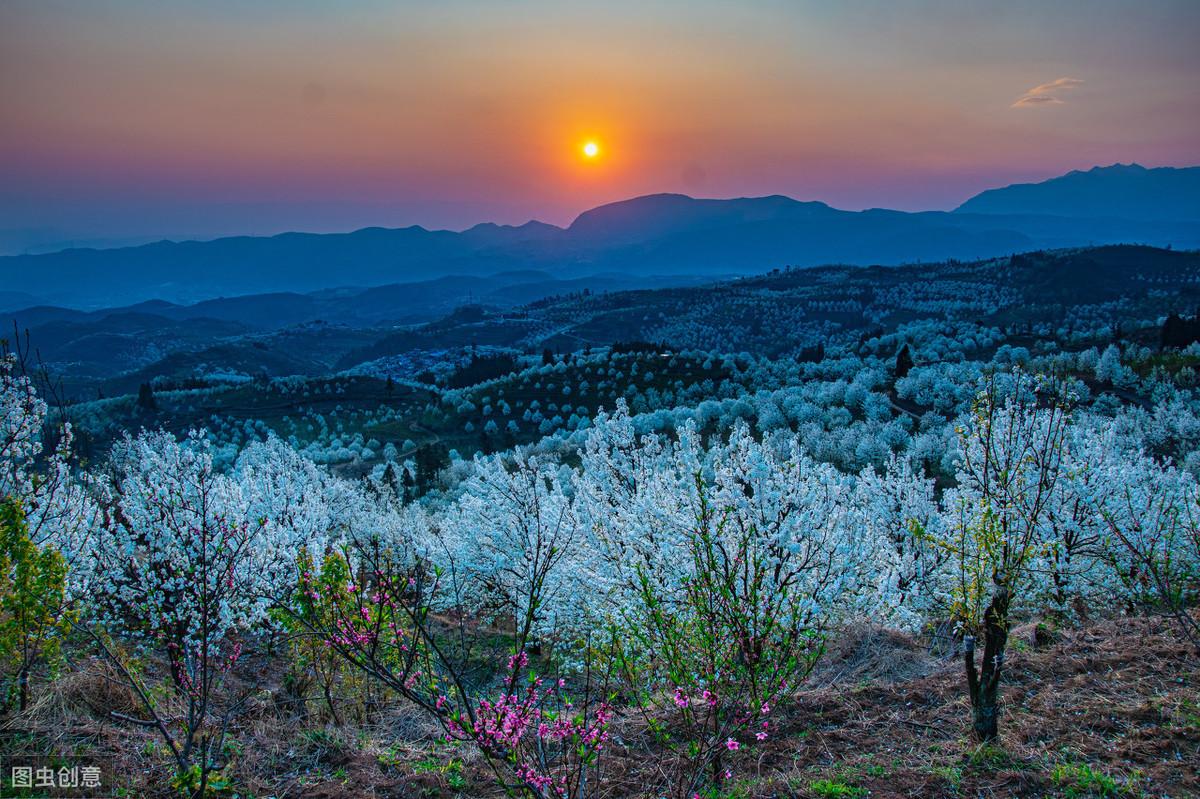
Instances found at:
x=655 y=235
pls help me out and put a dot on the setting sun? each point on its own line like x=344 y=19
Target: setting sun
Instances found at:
x=591 y=149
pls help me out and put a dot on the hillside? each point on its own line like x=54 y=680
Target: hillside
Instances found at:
x=1102 y=710
x=486 y=378
x=787 y=310
x=773 y=314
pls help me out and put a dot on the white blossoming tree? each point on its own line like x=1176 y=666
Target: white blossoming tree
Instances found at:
x=58 y=510
x=725 y=566
x=44 y=550
x=186 y=573
x=1150 y=515
x=515 y=549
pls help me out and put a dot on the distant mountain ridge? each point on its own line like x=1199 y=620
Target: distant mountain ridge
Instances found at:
x=660 y=234
x=403 y=303
x=658 y=215
x=1122 y=191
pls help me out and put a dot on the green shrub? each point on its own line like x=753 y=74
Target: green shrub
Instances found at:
x=33 y=613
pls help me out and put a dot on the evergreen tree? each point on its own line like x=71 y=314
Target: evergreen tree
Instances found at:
x=145 y=398
x=904 y=362
x=1178 y=332
x=390 y=480
x=431 y=459
x=410 y=486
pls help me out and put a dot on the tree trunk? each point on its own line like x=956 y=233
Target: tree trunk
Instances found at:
x=329 y=703
x=23 y=688
x=984 y=683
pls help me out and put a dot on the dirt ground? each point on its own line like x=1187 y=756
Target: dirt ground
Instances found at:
x=1110 y=708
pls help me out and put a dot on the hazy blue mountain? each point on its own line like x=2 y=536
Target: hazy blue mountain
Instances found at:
x=1126 y=191
x=195 y=270
x=662 y=234
x=354 y=306
x=280 y=333
x=489 y=234
x=10 y=300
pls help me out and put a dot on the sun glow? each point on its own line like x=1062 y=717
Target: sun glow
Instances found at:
x=591 y=149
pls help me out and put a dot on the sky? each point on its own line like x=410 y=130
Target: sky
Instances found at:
x=129 y=121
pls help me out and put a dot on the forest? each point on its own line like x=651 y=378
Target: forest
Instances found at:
x=840 y=505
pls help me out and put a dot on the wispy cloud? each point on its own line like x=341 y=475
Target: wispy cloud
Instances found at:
x=1047 y=93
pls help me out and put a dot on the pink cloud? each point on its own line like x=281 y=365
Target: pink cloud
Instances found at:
x=1047 y=93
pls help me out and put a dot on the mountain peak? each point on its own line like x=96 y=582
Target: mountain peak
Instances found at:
x=1112 y=169
x=490 y=234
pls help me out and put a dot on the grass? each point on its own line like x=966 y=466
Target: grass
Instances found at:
x=1078 y=780
x=451 y=770
x=991 y=758
x=835 y=789
x=952 y=775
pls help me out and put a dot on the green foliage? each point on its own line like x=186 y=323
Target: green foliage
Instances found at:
x=729 y=643
x=311 y=660
x=835 y=789
x=1081 y=780
x=33 y=613
x=952 y=775
x=193 y=785
x=451 y=769
x=1188 y=716
x=989 y=757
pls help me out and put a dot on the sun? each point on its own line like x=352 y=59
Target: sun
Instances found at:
x=591 y=149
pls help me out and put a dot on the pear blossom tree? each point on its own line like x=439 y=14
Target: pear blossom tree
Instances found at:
x=58 y=510
x=516 y=550
x=726 y=567
x=1071 y=566
x=897 y=510
x=185 y=574
x=1151 y=514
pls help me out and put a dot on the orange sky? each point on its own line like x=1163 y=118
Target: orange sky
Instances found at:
x=130 y=119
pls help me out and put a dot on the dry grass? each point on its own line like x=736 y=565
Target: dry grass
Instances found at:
x=1111 y=708
x=869 y=653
